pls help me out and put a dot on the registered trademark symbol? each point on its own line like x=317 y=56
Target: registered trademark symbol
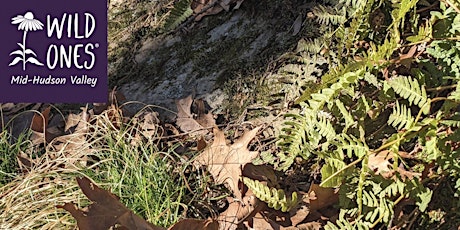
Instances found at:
x=96 y=45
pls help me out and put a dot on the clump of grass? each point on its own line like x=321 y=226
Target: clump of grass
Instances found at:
x=148 y=181
x=8 y=152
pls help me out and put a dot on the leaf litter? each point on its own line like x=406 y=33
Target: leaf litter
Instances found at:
x=226 y=162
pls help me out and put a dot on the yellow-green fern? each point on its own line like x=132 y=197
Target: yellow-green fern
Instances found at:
x=179 y=13
x=275 y=198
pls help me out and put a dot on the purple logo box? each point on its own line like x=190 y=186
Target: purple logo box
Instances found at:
x=53 y=51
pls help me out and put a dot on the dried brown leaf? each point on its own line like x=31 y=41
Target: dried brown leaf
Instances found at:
x=105 y=211
x=12 y=108
x=40 y=121
x=321 y=197
x=300 y=214
x=72 y=121
x=225 y=162
x=192 y=224
x=80 y=121
x=238 y=211
x=149 y=125
x=7 y=107
x=262 y=173
x=41 y=133
x=310 y=226
x=201 y=144
x=75 y=143
x=204 y=8
x=206 y=120
x=185 y=119
x=260 y=222
x=381 y=165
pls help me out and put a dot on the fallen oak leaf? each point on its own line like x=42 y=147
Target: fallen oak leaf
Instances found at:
x=300 y=214
x=201 y=144
x=39 y=127
x=185 y=119
x=320 y=197
x=225 y=162
x=260 y=222
x=203 y=8
x=381 y=165
x=193 y=224
x=239 y=210
x=204 y=119
x=40 y=121
x=105 y=212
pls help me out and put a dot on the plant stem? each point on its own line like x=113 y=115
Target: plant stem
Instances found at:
x=24 y=50
x=441 y=88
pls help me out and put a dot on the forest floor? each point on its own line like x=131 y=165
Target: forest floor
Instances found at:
x=194 y=109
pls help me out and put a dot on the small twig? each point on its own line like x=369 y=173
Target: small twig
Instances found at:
x=414 y=215
x=427 y=8
x=451 y=5
x=442 y=88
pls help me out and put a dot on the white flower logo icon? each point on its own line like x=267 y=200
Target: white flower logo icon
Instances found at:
x=26 y=23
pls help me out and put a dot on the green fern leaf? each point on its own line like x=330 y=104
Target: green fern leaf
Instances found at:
x=455 y=95
x=334 y=164
x=325 y=128
x=409 y=89
x=344 y=223
x=451 y=123
x=312 y=46
x=401 y=117
x=179 y=13
x=352 y=146
x=400 y=12
x=349 y=121
x=329 y=16
x=275 y=198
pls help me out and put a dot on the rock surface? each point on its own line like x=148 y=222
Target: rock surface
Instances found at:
x=204 y=55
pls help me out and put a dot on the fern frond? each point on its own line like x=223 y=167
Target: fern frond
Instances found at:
x=377 y=55
x=292 y=68
x=312 y=46
x=349 y=121
x=304 y=135
x=455 y=95
x=334 y=163
x=326 y=15
x=344 y=223
x=300 y=139
x=401 y=117
x=409 y=89
x=401 y=10
x=394 y=189
x=325 y=128
x=451 y=123
x=421 y=193
x=181 y=11
x=353 y=146
x=275 y=198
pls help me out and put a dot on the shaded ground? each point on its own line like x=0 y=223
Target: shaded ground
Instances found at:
x=199 y=58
